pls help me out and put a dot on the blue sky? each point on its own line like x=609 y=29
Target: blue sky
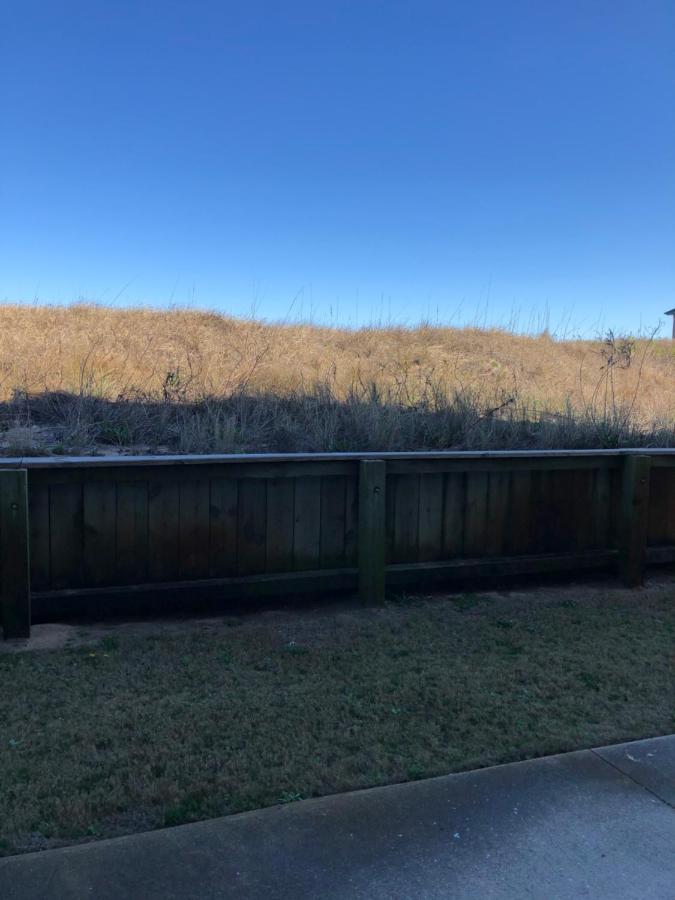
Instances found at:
x=344 y=160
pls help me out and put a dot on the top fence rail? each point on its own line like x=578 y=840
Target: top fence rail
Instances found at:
x=60 y=462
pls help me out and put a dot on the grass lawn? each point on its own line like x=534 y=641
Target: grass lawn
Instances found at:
x=141 y=726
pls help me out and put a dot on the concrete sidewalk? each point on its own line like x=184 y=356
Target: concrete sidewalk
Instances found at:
x=594 y=824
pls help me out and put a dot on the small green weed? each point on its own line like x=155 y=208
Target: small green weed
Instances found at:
x=295 y=649
x=590 y=680
x=465 y=601
x=188 y=809
x=290 y=797
x=110 y=643
x=401 y=598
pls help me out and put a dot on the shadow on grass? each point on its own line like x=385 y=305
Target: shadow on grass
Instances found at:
x=314 y=420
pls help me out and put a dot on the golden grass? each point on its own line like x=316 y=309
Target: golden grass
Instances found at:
x=111 y=352
x=86 y=379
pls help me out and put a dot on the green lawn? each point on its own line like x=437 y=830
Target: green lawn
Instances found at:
x=166 y=724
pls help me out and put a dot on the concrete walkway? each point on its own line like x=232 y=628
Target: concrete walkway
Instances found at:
x=594 y=824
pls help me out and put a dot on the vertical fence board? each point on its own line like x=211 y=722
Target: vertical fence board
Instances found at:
x=66 y=535
x=475 y=521
x=615 y=494
x=657 y=528
x=38 y=521
x=634 y=518
x=351 y=526
x=307 y=533
x=453 y=514
x=582 y=525
x=601 y=508
x=100 y=519
x=390 y=518
x=223 y=504
x=252 y=526
x=372 y=536
x=406 y=518
x=332 y=542
x=670 y=506
x=14 y=556
x=497 y=507
x=163 y=531
x=430 y=518
x=131 y=543
x=194 y=528
x=561 y=511
x=280 y=524
x=540 y=511
x=519 y=520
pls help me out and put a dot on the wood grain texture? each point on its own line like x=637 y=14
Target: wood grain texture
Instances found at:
x=280 y=524
x=66 y=535
x=372 y=536
x=99 y=532
x=559 y=511
x=540 y=512
x=332 y=541
x=131 y=526
x=454 y=489
x=406 y=518
x=475 y=522
x=223 y=521
x=194 y=528
x=38 y=521
x=252 y=527
x=670 y=506
x=15 y=599
x=634 y=519
x=430 y=525
x=499 y=485
x=582 y=500
x=351 y=520
x=600 y=511
x=615 y=499
x=518 y=538
x=389 y=516
x=658 y=507
x=307 y=531
x=163 y=531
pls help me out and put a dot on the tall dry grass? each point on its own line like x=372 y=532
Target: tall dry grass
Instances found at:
x=84 y=377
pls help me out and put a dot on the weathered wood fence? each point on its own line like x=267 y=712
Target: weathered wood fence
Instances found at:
x=108 y=529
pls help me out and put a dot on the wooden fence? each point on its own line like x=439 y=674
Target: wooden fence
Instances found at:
x=107 y=530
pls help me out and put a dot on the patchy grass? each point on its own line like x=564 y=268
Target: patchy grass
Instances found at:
x=161 y=725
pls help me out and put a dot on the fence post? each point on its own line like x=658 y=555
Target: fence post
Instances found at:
x=634 y=518
x=371 y=537
x=14 y=567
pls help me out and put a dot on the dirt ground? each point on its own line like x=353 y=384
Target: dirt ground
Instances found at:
x=60 y=635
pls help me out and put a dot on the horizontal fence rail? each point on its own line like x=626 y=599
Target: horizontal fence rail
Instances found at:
x=98 y=532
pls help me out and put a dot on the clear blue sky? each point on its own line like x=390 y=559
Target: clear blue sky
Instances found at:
x=393 y=160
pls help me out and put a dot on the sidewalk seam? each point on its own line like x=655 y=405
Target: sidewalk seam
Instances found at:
x=630 y=778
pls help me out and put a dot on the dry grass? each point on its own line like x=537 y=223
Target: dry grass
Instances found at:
x=177 y=722
x=198 y=381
